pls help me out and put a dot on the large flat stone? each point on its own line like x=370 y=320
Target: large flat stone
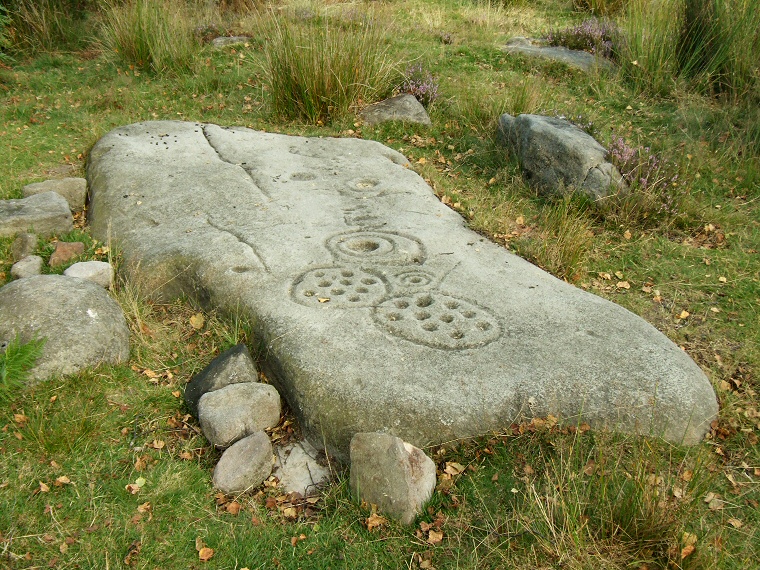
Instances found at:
x=375 y=307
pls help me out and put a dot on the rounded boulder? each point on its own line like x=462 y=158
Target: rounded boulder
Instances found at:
x=83 y=326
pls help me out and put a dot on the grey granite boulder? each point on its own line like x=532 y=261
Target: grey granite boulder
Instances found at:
x=235 y=411
x=574 y=58
x=245 y=465
x=404 y=107
x=558 y=157
x=27 y=267
x=396 y=476
x=25 y=244
x=99 y=272
x=74 y=190
x=374 y=307
x=82 y=324
x=46 y=214
x=231 y=367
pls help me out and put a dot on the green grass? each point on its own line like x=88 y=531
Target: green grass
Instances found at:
x=525 y=499
x=16 y=358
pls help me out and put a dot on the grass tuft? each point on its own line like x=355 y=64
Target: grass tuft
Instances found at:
x=316 y=71
x=565 y=241
x=154 y=35
x=16 y=359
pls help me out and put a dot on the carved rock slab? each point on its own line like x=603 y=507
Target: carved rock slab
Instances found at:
x=375 y=307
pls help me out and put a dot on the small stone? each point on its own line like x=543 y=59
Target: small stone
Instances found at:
x=65 y=251
x=46 y=214
x=245 y=465
x=235 y=411
x=231 y=367
x=396 y=476
x=74 y=190
x=228 y=41
x=299 y=470
x=25 y=244
x=98 y=272
x=404 y=107
x=27 y=267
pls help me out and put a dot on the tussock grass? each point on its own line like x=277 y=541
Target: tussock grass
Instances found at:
x=154 y=35
x=564 y=242
x=47 y=25
x=317 y=70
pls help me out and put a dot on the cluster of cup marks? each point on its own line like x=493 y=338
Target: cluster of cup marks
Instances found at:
x=414 y=311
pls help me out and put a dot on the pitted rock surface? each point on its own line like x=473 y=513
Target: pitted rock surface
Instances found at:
x=375 y=307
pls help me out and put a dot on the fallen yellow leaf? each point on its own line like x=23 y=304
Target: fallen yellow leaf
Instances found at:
x=375 y=521
x=197 y=321
x=435 y=537
x=205 y=554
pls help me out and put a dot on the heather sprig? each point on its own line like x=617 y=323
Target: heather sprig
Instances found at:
x=420 y=83
x=652 y=180
x=592 y=35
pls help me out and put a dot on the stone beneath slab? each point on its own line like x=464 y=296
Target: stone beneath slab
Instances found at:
x=301 y=469
x=396 y=476
x=245 y=465
x=45 y=214
x=233 y=366
x=235 y=411
x=374 y=307
x=74 y=190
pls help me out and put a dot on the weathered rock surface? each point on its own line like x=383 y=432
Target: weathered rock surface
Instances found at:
x=46 y=214
x=231 y=367
x=244 y=465
x=99 y=272
x=377 y=309
x=64 y=252
x=575 y=58
x=235 y=411
x=558 y=157
x=24 y=245
x=27 y=267
x=299 y=469
x=396 y=476
x=73 y=189
x=82 y=324
x=404 y=107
